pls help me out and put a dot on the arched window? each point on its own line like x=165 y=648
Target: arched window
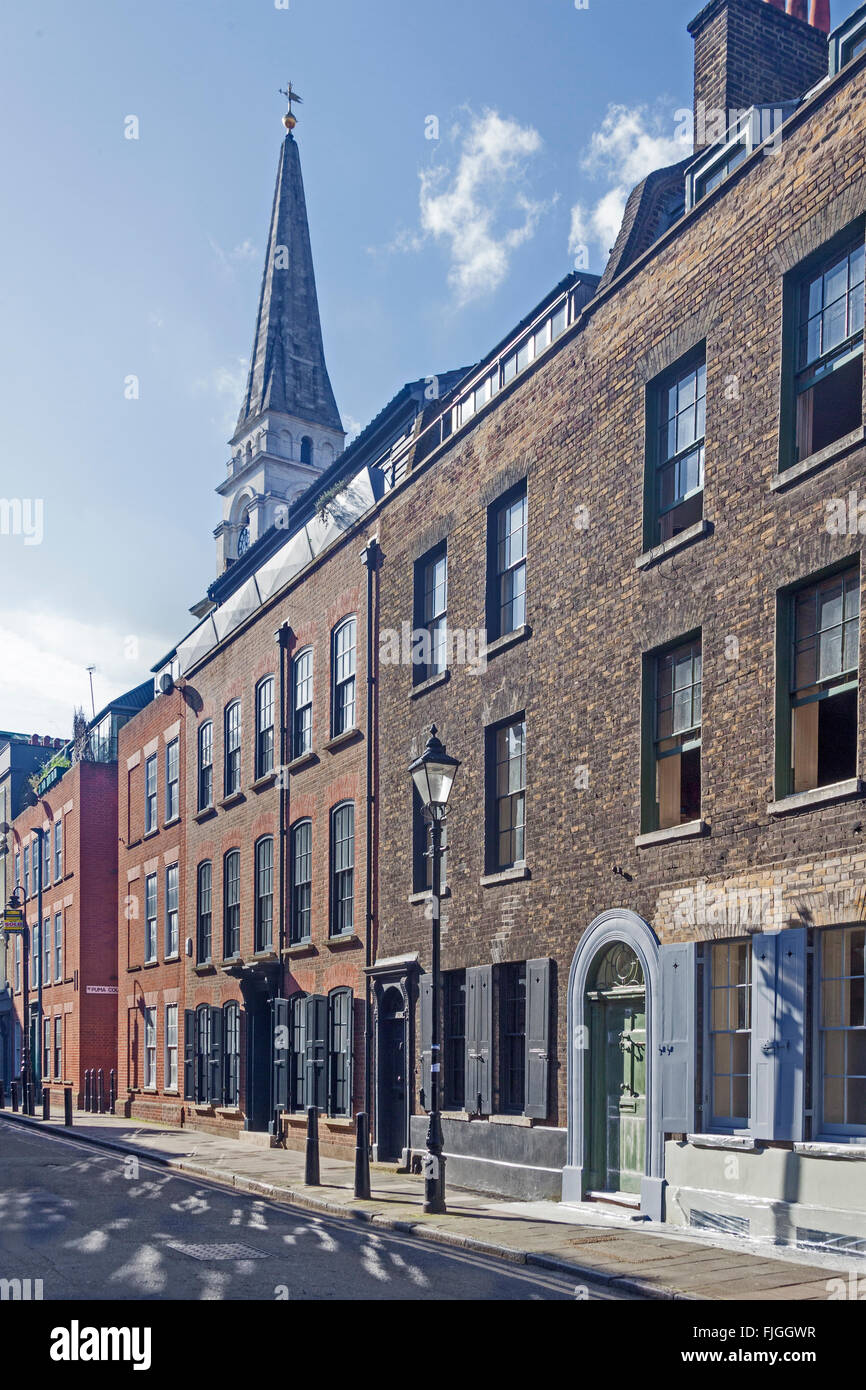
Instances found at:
x=205 y=766
x=343 y=676
x=343 y=869
x=232 y=1054
x=232 y=904
x=307 y=450
x=302 y=703
x=233 y=748
x=302 y=881
x=265 y=727
x=244 y=538
x=265 y=894
x=204 y=912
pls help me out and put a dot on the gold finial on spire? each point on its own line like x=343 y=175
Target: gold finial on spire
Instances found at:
x=289 y=120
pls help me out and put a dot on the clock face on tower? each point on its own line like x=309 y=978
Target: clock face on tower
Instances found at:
x=243 y=541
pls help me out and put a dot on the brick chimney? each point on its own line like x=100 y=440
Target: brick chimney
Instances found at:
x=755 y=52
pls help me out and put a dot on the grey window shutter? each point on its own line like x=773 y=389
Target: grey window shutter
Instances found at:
x=677 y=1048
x=189 y=1054
x=425 y=998
x=790 y=1033
x=479 y=1030
x=763 y=1098
x=315 y=1081
x=537 y=1038
x=215 y=1069
x=280 y=1082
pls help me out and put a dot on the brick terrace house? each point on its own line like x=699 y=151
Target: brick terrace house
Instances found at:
x=648 y=499
x=65 y=862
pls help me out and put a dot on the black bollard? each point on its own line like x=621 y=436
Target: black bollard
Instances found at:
x=2 y=1097
x=362 y=1158
x=14 y=1097
x=29 y=1108
x=112 y=1090
x=100 y=1091
x=46 y=1103
x=311 y=1164
x=67 y=1105
x=87 y=1080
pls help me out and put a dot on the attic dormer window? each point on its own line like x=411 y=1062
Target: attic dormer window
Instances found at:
x=848 y=41
x=749 y=130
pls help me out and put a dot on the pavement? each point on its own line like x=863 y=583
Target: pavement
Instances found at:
x=590 y=1243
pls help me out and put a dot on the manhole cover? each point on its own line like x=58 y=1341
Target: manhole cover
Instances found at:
x=218 y=1252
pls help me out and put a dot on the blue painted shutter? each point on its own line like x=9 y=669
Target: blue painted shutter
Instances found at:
x=763 y=1098
x=479 y=1029
x=790 y=1033
x=677 y=1046
x=537 y=1038
x=425 y=999
x=280 y=1083
x=189 y=1054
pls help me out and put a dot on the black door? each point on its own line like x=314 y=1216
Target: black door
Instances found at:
x=392 y=1076
x=257 y=1015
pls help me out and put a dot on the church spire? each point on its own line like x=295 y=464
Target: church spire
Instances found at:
x=289 y=427
x=287 y=369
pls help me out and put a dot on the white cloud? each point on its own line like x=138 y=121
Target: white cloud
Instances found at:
x=480 y=209
x=45 y=660
x=225 y=385
x=630 y=143
x=241 y=254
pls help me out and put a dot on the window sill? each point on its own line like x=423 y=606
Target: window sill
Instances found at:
x=691 y=830
x=206 y=813
x=300 y=948
x=130 y=970
x=512 y=875
x=303 y=760
x=827 y=1148
x=819 y=796
x=697 y=532
x=228 y=1110
x=441 y=678
x=425 y=896
x=171 y=1091
x=742 y=1143
x=231 y=963
x=149 y=834
x=339 y=1121
x=150 y=965
x=341 y=740
x=336 y=943
x=510 y=639
x=167 y=824
x=232 y=800
x=806 y=467
x=262 y=783
x=205 y=967
x=172 y=959
x=131 y=844
x=269 y=955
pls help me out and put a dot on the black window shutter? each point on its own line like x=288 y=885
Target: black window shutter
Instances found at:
x=189 y=1054
x=316 y=1051
x=537 y=1038
x=215 y=1069
x=299 y=1051
x=280 y=1052
x=479 y=1029
x=425 y=997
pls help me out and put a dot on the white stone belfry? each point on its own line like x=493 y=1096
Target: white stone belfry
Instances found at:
x=289 y=429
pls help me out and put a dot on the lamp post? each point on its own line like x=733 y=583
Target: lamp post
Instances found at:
x=433 y=774
x=16 y=902
x=39 y=1060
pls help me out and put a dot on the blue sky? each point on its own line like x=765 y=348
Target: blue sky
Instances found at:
x=142 y=257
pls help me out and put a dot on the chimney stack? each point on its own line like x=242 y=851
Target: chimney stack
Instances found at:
x=755 y=53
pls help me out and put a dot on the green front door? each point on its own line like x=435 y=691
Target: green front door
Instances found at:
x=617 y=1075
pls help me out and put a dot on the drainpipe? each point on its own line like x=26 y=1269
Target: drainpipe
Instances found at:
x=40 y=966
x=370 y=559
x=282 y=637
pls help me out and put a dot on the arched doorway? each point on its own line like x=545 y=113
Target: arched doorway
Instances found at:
x=616 y=1056
x=615 y=1143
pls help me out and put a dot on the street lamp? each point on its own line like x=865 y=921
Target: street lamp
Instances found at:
x=16 y=903
x=433 y=774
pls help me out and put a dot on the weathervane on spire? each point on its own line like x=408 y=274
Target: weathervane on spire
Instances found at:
x=289 y=120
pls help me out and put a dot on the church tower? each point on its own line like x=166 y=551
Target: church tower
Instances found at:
x=289 y=429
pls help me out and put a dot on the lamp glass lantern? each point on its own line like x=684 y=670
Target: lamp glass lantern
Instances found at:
x=433 y=774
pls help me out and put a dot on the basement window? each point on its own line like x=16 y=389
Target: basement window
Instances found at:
x=828 y=381
x=672 y=792
x=819 y=728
